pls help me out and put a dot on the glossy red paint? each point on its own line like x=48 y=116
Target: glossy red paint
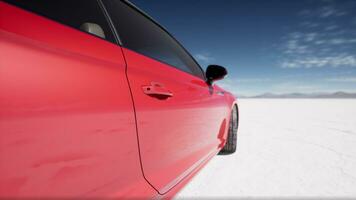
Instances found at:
x=67 y=124
x=68 y=120
x=175 y=133
x=171 y=193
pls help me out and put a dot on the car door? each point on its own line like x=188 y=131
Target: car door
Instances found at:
x=67 y=124
x=179 y=117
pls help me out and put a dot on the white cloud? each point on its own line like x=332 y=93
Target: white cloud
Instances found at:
x=290 y=64
x=309 y=24
x=319 y=41
x=326 y=11
x=206 y=58
x=294 y=46
x=343 y=79
x=309 y=43
x=314 y=62
x=330 y=11
x=331 y=27
x=337 y=41
x=296 y=35
x=310 y=37
x=253 y=80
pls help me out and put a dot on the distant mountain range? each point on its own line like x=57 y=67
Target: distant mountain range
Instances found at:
x=335 y=95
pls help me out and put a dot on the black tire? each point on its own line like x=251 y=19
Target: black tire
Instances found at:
x=230 y=146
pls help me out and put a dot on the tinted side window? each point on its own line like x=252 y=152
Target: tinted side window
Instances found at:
x=73 y=13
x=140 y=34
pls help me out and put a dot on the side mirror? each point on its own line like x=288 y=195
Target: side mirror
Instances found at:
x=215 y=73
x=94 y=29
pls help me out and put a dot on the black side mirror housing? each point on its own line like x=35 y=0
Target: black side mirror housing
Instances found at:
x=215 y=73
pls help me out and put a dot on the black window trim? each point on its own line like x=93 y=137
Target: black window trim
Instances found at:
x=110 y=23
x=127 y=2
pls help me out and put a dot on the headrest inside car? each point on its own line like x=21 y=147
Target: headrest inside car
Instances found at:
x=94 y=29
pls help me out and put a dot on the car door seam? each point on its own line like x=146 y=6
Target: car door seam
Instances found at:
x=136 y=126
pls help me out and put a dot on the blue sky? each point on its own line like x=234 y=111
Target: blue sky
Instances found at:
x=274 y=46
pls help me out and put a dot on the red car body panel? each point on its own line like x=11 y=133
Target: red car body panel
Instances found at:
x=75 y=121
x=67 y=120
x=176 y=134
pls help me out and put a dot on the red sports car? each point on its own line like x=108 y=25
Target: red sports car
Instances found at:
x=99 y=101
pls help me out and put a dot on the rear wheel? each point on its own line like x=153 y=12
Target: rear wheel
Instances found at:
x=230 y=146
